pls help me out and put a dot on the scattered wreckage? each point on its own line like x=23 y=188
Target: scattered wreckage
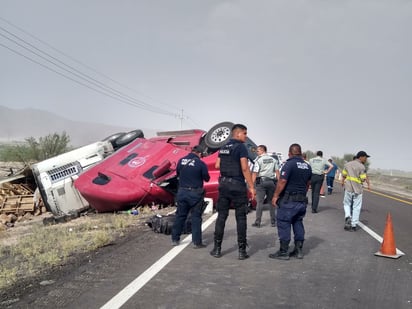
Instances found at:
x=48 y=185
x=17 y=200
x=125 y=170
x=55 y=176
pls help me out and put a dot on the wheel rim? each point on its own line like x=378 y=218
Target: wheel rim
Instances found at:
x=220 y=134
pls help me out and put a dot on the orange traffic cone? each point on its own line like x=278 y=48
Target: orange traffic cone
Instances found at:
x=322 y=190
x=388 y=248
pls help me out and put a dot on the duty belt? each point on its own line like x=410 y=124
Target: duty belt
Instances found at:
x=230 y=179
x=294 y=197
x=191 y=188
x=263 y=178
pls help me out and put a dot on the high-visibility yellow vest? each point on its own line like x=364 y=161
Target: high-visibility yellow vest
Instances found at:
x=359 y=179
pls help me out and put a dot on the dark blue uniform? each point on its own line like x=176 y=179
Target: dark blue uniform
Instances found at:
x=293 y=201
x=232 y=189
x=191 y=172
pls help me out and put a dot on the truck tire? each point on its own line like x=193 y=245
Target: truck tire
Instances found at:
x=113 y=137
x=127 y=138
x=218 y=135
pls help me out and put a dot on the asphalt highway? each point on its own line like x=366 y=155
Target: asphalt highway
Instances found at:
x=339 y=269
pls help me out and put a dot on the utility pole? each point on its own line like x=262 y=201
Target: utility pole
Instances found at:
x=181 y=118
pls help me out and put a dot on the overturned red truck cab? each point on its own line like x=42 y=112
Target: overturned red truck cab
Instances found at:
x=144 y=171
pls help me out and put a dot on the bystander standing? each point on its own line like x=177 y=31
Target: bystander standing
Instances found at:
x=354 y=175
x=265 y=174
x=318 y=175
x=330 y=177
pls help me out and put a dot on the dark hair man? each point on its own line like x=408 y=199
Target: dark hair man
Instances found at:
x=290 y=197
x=191 y=172
x=265 y=174
x=330 y=177
x=234 y=170
x=354 y=174
x=318 y=164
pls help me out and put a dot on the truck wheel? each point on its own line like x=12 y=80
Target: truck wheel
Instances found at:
x=127 y=138
x=113 y=137
x=218 y=135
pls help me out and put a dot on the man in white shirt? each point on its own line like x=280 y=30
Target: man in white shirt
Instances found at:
x=318 y=164
x=264 y=176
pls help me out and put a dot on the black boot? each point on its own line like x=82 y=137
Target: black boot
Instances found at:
x=283 y=253
x=242 y=251
x=217 y=249
x=297 y=251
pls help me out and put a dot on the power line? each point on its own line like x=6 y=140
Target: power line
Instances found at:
x=78 y=73
x=68 y=77
x=83 y=64
x=105 y=89
x=194 y=124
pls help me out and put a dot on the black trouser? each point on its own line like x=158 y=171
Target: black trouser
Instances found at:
x=189 y=200
x=316 y=184
x=231 y=192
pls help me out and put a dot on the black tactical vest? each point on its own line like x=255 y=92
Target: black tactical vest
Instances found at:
x=229 y=165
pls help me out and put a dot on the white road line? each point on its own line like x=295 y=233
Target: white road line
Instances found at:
x=124 y=295
x=376 y=236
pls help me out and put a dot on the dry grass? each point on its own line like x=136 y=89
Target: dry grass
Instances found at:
x=394 y=184
x=43 y=247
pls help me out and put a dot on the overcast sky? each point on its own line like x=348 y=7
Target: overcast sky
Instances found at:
x=331 y=75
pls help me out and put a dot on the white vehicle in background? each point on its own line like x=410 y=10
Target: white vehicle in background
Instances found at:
x=55 y=176
x=278 y=156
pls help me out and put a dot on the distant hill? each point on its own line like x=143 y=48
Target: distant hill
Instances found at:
x=19 y=124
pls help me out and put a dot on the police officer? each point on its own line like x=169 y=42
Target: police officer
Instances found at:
x=192 y=171
x=318 y=164
x=265 y=173
x=234 y=170
x=290 y=197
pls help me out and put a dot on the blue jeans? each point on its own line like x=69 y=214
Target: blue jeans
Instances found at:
x=329 y=182
x=188 y=200
x=232 y=193
x=352 y=204
x=290 y=215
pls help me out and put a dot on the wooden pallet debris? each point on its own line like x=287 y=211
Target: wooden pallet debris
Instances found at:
x=17 y=199
x=17 y=204
x=14 y=189
x=9 y=189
